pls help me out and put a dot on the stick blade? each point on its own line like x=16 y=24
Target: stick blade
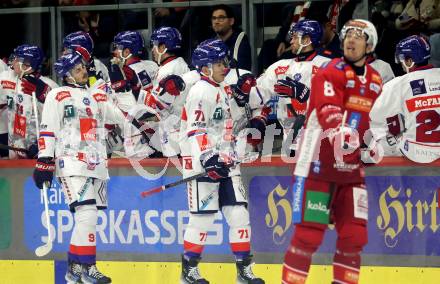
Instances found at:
x=151 y=191
x=44 y=249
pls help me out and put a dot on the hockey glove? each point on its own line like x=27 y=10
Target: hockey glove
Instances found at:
x=293 y=89
x=32 y=152
x=43 y=171
x=172 y=84
x=30 y=84
x=345 y=141
x=119 y=83
x=242 y=89
x=215 y=168
x=259 y=124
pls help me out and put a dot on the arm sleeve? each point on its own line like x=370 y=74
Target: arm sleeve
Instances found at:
x=384 y=116
x=50 y=126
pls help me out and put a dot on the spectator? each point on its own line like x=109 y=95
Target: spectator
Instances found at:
x=223 y=21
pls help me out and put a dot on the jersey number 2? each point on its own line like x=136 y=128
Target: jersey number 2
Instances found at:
x=427 y=123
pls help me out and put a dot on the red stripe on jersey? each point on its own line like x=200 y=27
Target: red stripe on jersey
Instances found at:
x=246 y=246
x=188 y=246
x=82 y=250
x=184 y=115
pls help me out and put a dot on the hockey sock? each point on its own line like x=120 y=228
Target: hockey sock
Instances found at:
x=296 y=265
x=346 y=267
x=196 y=234
x=237 y=218
x=83 y=242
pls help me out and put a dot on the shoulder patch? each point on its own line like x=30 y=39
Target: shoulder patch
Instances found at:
x=281 y=70
x=62 y=95
x=8 y=85
x=100 y=97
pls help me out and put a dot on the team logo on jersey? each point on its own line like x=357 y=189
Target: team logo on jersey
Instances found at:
x=375 y=88
x=349 y=74
x=41 y=143
x=418 y=87
x=86 y=101
x=350 y=84
x=61 y=163
x=100 y=97
x=281 y=70
x=69 y=111
x=8 y=85
x=376 y=78
x=314 y=69
x=297 y=77
x=354 y=120
x=10 y=102
x=20 y=98
x=62 y=95
x=359 y=103
x=144 y=78
x=218 y=114
x=362 y=90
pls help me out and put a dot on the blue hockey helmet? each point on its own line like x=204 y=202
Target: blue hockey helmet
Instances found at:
x=65 y=64
x=168 y=36
x=415 y=47
x=81 y=42
x=311 y=28
x=129 y=39
x=30 y=55
x=208 y=52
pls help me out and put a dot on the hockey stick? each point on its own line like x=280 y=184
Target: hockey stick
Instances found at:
x=7 y=147
x=188 y=179
x=47 y=247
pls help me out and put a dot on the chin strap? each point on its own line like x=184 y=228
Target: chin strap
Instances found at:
x=159 y=57
x=124 y=59
x=23 y=71
x=301 y=46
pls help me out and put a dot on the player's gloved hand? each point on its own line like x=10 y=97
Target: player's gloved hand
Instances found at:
x=32 y=152
x=293 y=89
x=215 y=168
x=43 y=171
x=133 y=81
x=259 y=124
x=346 y=144
x=31 y=83
x=117 y=79
x=172 y=84
x=242 y=89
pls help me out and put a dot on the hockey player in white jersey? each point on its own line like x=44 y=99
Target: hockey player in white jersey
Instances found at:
x=3 y=119
x=406 y=116
x=18 y=87
x=82 y=43
x=208 y=145
x=289 y=79
x=129 y=75
x=72 y=142
x=166 y=96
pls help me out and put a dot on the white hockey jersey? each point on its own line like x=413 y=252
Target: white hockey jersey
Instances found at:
x=301 y=71
x=72 y=130
x=168 y=106
x=207 y=125
x=20 y=122
x=409 y=109
x=146 y=72
x=3 y=66
x=383 y=68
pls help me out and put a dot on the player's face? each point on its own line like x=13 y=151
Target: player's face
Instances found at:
x=355 y=46
x=218 y=71
x=21 y=68
x=298 y=40
x=79 y=73
x=221 y=24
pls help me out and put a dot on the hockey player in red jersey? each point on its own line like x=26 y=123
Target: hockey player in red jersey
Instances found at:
x=329 y=181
